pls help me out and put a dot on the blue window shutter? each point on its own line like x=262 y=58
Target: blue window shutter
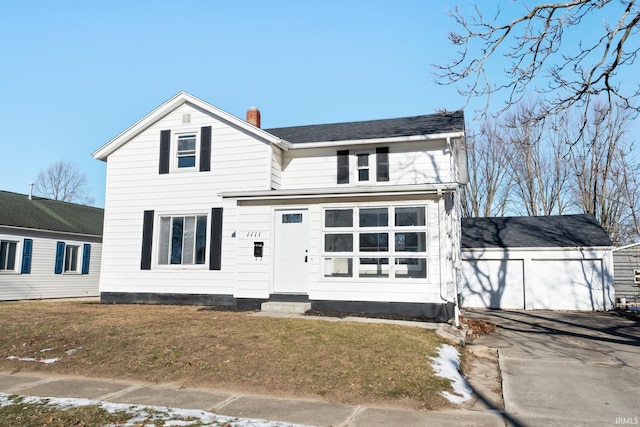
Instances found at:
x=59 y=257
x=205 y=149
x=86 y=255
x=26 y=256
x=165 y=151
x=215 y=253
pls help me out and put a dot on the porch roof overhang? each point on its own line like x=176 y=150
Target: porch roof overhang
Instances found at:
x=314 y=193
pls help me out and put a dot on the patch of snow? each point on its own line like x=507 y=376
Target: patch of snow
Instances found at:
x=46 y=349
x=73 y=350
x=31 y=359
x=158 y=415
x=447 y=365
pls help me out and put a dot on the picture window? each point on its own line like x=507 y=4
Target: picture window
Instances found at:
x=365 y=243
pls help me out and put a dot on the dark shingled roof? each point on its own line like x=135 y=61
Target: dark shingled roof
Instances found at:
x=17 y=210
x=388 y=128
x=559 y=231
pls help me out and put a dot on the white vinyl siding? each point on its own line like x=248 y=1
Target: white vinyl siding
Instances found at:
x=409 y=163
x=537 y=279
x=238 y=162
x=42 y=282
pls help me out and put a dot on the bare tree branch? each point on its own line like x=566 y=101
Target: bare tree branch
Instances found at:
x=545 y=57
x=63 y=181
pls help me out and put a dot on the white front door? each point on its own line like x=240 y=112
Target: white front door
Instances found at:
x=291 y=252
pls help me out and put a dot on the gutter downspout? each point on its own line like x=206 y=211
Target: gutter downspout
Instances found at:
x=442 y=225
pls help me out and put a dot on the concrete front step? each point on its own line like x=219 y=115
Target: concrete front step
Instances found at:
x=285 y=307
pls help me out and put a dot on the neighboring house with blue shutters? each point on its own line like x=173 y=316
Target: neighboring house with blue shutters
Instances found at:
x=203 y=207
x=48 y=248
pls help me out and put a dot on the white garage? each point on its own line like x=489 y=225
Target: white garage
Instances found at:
x=536 y=263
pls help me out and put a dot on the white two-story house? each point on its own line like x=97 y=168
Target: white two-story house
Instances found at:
x=205 y=208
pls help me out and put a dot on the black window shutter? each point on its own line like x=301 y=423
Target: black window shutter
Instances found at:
x=205 y=149
x=27 y=247
x=59 y=257
x=86 y=256
x=382 y=163
x=147 y=236
x=165 y=151
x=343 y=167
x=215 y=254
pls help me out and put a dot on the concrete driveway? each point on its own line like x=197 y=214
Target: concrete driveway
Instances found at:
x=566 y=368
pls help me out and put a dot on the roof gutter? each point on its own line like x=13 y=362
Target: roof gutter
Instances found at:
x=351 y=142
x=42 y=230
x=313 y=193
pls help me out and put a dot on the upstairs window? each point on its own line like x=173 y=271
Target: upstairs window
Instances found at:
x=186 y=151
x=362 y=166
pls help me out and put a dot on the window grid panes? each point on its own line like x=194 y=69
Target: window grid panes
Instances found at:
x=182 y=240
x=375 y=242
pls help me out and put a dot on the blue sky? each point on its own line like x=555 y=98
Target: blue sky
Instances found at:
x=74 y=74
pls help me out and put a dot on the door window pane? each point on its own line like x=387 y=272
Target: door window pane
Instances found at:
x=338 y=267
x=407 y=217
x=374 y=242
x=338 y=218
x=338 y=242
x=411 y=242
x=374 y=267
x=377 y=217
x=411 y=268
x=291 y=218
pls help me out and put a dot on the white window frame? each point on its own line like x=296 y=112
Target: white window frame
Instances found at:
x=68 y=250
x=175 y=153
x=371 y=167
x=17 y=259
x=391 y=254
x=157 y=240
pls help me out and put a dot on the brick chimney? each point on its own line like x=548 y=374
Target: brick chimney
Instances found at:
x=253 y=116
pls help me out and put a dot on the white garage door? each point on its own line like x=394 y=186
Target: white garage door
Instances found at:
x=565 y=285
x=493 y=284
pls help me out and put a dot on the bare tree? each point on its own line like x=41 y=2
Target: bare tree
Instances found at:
x=63 y=181
x=553 y=48
x=487 y=192
x=536 y=165
x=605 y=177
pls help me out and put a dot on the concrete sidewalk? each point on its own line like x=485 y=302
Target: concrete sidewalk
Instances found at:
x=297 y=411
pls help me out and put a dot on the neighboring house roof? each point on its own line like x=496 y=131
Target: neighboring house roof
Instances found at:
x=16 y=210
x=431 y=124
x=559 y=231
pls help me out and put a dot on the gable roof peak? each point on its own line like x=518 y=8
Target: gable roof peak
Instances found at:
x=167 y=107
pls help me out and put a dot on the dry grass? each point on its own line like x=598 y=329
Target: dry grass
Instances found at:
x=339 y=361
